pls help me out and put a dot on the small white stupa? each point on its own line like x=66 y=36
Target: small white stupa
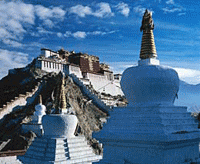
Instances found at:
x=36 y=124
x=150 y=129
x=40 y=111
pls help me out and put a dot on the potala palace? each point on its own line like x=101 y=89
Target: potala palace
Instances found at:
x=86 y=67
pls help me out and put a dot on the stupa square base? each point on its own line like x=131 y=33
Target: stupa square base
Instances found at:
x=150 y=134
x=121 y=151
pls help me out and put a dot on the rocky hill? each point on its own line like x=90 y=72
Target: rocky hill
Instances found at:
x=25 y=85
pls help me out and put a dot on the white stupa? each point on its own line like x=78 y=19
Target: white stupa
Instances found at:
x=150 y=129
x=36 y=124
x=40 y=111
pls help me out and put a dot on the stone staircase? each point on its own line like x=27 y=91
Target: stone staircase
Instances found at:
x=20 y=100
x=60 y=151
x=80 y=151
x=99 y=103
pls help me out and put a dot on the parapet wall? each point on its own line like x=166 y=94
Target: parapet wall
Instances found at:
x=93 y=97
x=18 y=101
x=104 y=85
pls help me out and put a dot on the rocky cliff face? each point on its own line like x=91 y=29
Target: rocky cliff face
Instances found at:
x=20 y=81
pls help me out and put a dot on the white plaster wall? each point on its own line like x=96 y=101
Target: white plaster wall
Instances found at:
x=53 y=53
x=46 y=53
x=102 y=84
x=93 y=97
x=75 y=70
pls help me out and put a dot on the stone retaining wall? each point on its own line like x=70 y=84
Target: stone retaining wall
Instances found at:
x=20 y=100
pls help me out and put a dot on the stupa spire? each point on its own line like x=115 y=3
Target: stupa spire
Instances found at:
x=63 y=103
x=148 y=49
x=40 y=99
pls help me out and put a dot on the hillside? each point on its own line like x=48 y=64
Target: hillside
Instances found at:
x=188 y=95
x=28 y=83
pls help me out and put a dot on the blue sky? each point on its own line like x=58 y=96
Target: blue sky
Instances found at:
x=108 y=29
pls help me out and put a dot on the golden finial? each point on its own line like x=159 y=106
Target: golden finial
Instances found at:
x=148 y=49
x=63 y=104
x=40 y=99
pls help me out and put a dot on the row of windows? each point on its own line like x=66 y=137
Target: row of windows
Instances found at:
x=54 y=65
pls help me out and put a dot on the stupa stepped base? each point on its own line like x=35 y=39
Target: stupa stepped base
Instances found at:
x=163 y=122
x=60 y=151
x=150 y=134
x=9 y=160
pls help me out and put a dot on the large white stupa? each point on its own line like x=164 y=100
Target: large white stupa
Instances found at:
x=150 y=129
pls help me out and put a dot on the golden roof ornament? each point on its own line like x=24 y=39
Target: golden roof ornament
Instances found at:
x=40 y=99
x=63 y=104
x=148 y=49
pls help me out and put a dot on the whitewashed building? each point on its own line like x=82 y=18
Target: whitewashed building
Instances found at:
x=86 y=67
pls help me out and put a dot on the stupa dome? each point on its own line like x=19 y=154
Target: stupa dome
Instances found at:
x=40 y=108
x=59 y=125
x=150 y=84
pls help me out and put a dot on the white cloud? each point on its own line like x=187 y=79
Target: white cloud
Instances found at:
x=173 y=7
x=10 y=60
x=46 y=13
x=82 y=34
x=190 y=76
x=100 y=32
x=79 y=34
x=102 y=10
x=80 y=10
x=68 y=34
x=139 y=9
x=169 y=26
x=12 y=43
x=96 y=33
x=41 y=30
x=180 y=14
x=168 y=10
x=59 y=34
x=170 y=2
x=17 y=18
x=123 y=9
x=119 y=67
x=49 y=14
x=32 y=46
x=18 y=11
x=13 y=17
